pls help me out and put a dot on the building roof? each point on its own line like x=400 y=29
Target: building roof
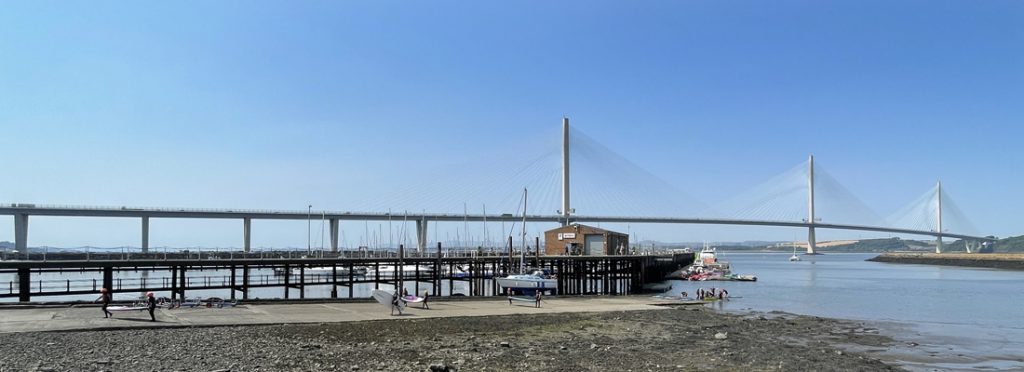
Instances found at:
x=596 y=229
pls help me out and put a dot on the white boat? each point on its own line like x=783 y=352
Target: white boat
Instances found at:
x=535 y=280
x=794 y=257
x=707 y=262
x=527 y=280
x=408 y=271
x=342 y=271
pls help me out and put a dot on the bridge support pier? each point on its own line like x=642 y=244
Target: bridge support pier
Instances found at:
x=21 y=234
x=812 y=242
x=247 y=234
x=145 y=234
x=25 y=284
x=335 y=232
x=421 y=235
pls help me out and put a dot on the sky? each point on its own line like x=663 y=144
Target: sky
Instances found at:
x=344 y=105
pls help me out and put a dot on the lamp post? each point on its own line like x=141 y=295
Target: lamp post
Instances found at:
x=309 y=244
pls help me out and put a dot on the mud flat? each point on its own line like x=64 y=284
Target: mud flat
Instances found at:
x=1008 y=261
x=676 y=338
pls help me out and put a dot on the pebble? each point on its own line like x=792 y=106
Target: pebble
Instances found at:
x=721 y=335
x=505 y=344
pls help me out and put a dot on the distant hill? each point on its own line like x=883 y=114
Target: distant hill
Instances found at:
x=1011 y=244
x=841 y=246
x=877 y=245
x=5 y=245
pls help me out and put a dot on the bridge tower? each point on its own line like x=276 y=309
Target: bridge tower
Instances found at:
x=811 y=240
x=565 y=173
x=938 y=216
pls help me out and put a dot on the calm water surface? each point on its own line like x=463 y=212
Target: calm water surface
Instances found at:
x=959 y=318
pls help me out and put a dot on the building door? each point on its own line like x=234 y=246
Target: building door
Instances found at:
x=593 y=245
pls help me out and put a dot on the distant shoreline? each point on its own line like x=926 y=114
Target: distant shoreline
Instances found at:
x=1006 y=261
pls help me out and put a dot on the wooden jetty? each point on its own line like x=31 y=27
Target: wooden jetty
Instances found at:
x=576 y=274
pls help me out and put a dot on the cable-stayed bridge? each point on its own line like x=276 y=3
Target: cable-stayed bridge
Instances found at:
x=797 y=198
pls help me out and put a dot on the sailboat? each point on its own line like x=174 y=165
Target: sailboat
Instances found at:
x=794 y=257
x=527 y=281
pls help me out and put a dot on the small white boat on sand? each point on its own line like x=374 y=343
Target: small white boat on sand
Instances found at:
x=528 y=280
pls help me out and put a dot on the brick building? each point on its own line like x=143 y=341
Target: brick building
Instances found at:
x=584 y=240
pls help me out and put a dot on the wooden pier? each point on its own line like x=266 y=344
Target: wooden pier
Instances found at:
x=608 y=275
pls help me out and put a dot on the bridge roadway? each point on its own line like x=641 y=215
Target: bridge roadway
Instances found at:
x=68 y=211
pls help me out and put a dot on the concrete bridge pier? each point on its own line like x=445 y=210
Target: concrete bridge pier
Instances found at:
x=421 y=235
x=145 y=234
x=247 y=234
x=335 y=232
x=812 y=242
x=21 y=233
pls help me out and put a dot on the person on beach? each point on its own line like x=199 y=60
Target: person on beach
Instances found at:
x=426 y=296
x=684 y=294
x=722 y=293
x=394 y=304
x=151 y=301
x=510 y=297
x=536 y=298
x=700 y=293
x=105 y=299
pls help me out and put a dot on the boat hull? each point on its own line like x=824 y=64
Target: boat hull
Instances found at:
x=527 y=283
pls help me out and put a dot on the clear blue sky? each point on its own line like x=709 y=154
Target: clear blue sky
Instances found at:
x=227 y=104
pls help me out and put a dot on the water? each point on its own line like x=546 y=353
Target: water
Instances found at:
x=962 y=318
x=196 y=277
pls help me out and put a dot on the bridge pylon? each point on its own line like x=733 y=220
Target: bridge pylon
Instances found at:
x=566 y=210
x=811 y=240
x=938 y=217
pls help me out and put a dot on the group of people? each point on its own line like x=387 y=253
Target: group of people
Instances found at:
x=706 y=294
x=105 y=298
x=395 y=304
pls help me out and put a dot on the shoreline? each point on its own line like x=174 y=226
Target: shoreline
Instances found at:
x=1005 y=261
x=665 y=337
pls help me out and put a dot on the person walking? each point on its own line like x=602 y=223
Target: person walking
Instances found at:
x=105 y=299
x=536 y=298
x=151 y=301
x=394 y=304
x=426 y=296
